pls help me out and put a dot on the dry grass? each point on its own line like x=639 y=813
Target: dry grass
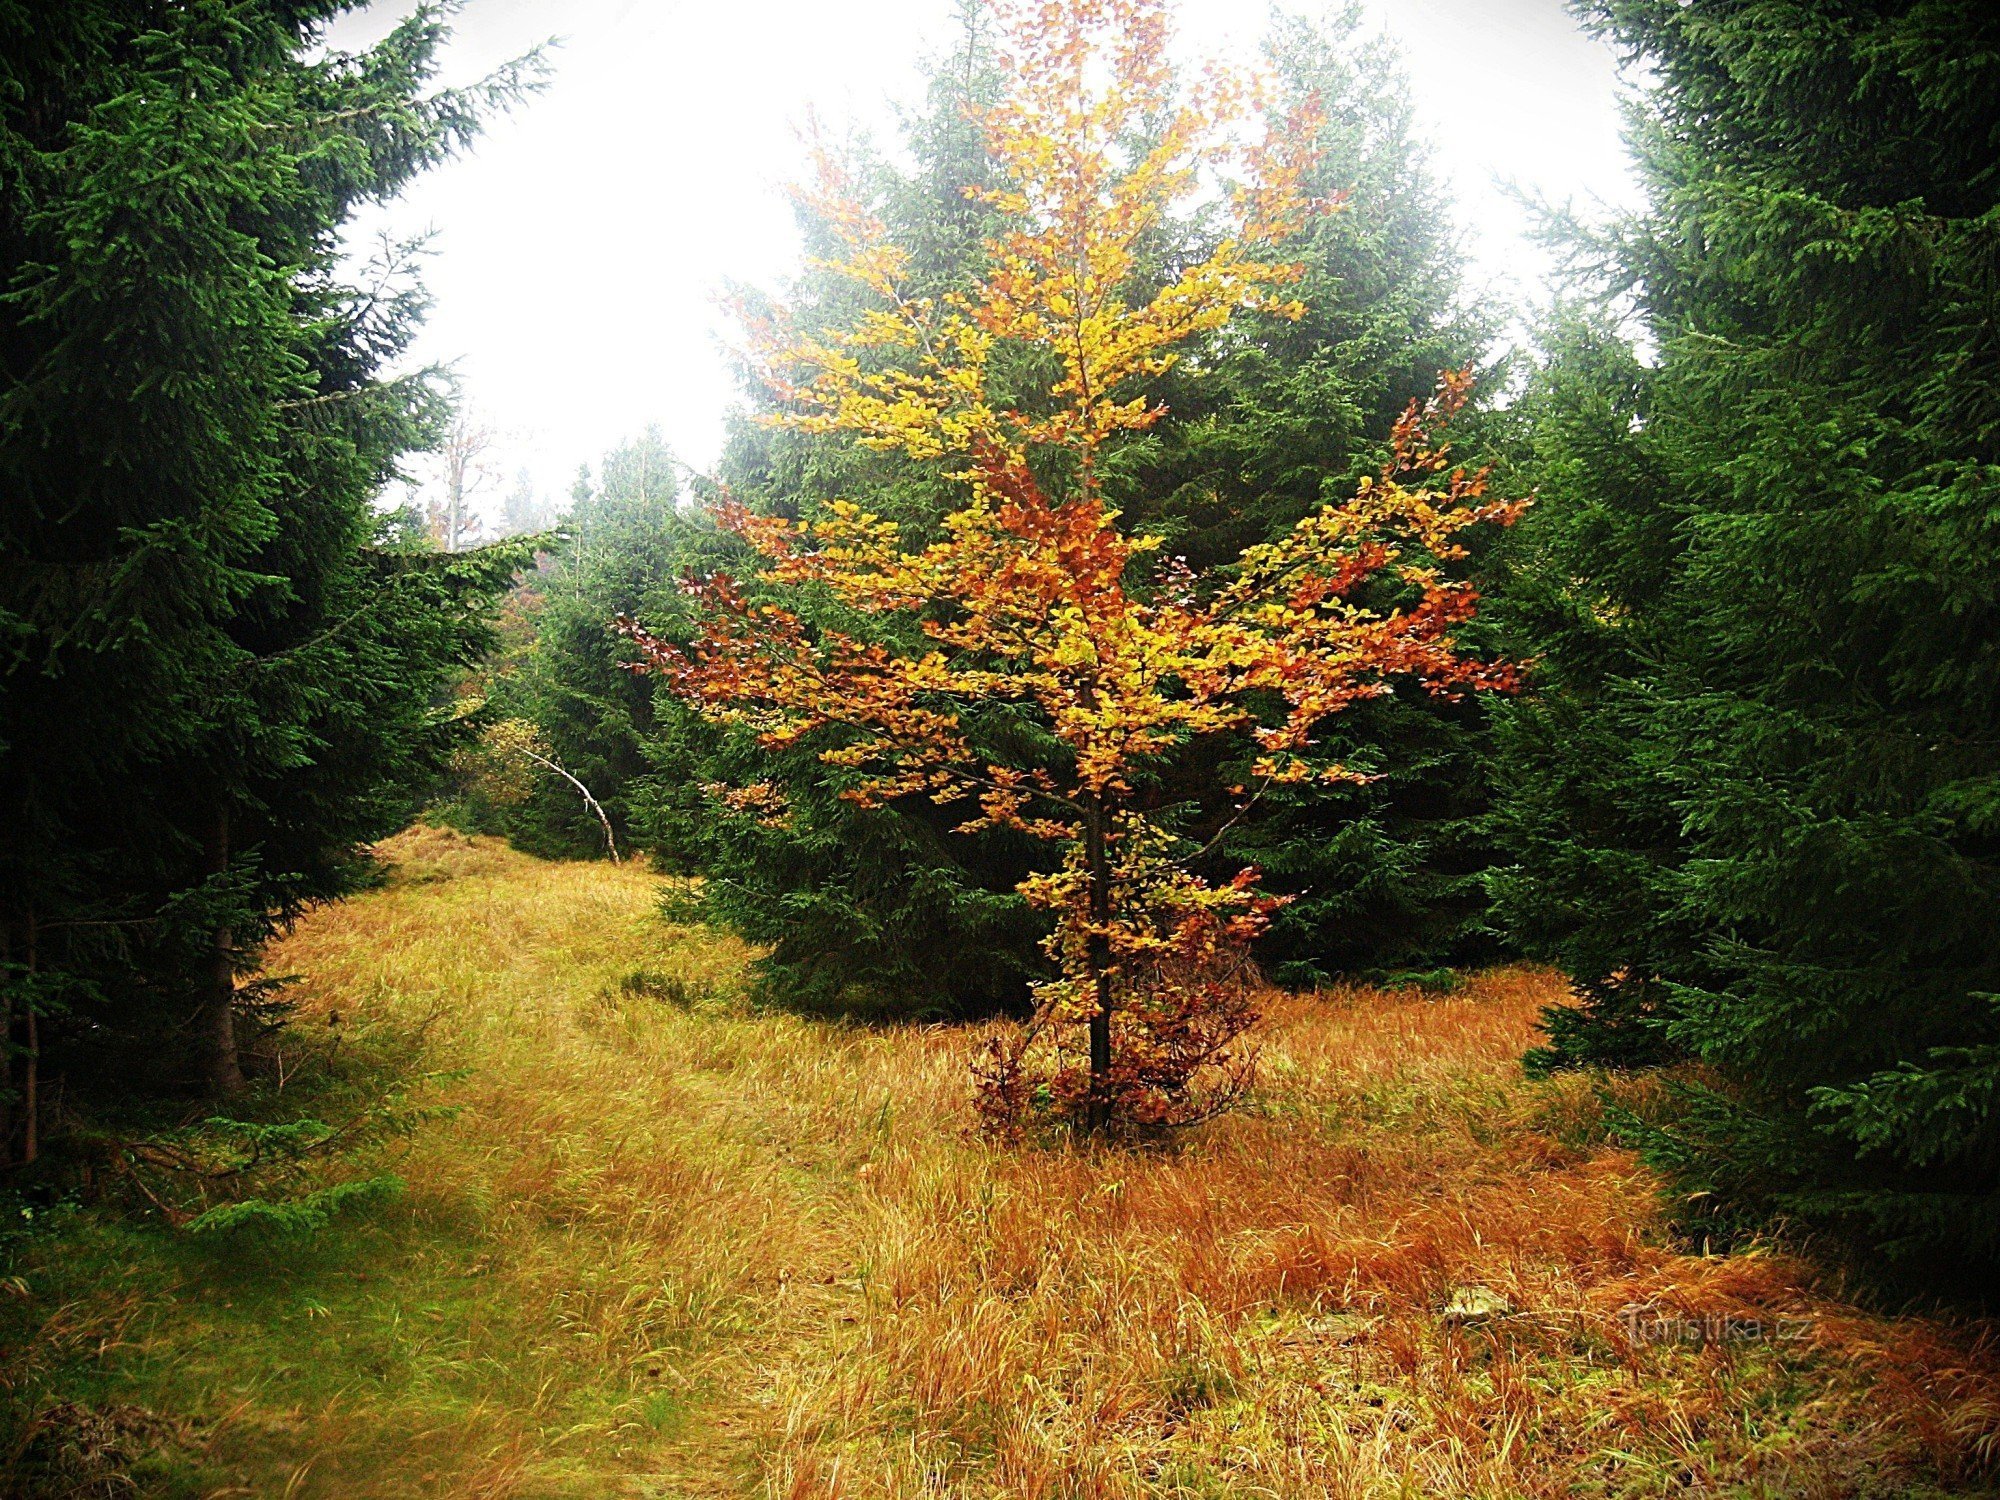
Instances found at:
x=675 y=1247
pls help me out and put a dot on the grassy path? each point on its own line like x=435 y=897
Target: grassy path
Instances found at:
x=666 y=1246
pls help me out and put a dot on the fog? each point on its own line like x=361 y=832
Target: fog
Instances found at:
x=577 y=252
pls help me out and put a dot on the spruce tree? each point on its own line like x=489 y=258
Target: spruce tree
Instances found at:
x=1756 y=809
x=220 y=665
x=1384 y=874
x=623 y=547
x=886 y=912
x=891 y=909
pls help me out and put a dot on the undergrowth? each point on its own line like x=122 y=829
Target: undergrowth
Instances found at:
x=651 y=1240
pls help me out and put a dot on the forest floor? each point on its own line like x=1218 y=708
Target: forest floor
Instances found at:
x=665 y=1244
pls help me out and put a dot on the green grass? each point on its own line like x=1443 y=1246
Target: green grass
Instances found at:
x=655 y=1243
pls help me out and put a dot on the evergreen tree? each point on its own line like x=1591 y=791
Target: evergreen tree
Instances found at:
x=890 y=908
x=883 y=912
x=626 y=542
x=220 y=664
x=1384 y=874
x=1756 y=810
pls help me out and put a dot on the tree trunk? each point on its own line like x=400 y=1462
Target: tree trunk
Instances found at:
x=7 y=1047
x=454 y=523
x=28 y=1124
x=1098 y=952
x=215 y=1023
x=31 y=1082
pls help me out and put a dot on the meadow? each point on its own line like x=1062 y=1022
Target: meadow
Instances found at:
x=653 y=1241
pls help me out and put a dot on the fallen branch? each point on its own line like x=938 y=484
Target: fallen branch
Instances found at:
x=589 y=801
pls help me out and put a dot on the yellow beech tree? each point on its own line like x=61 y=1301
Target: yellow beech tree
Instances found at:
x=1032 y=596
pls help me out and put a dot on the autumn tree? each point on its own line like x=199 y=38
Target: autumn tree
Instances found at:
x=464 y=470
x=882 y=912
x=1270 y=419
x=1032 y=660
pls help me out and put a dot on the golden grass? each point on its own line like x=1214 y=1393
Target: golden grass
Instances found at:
x=675 y=1247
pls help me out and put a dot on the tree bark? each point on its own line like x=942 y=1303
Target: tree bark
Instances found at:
x=7 y=1049
x=215 y=1022
x=1098 y=953
x=31 y=1083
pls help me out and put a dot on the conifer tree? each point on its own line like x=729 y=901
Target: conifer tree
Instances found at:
x=624 y=545
x=891 y=913
x=219 y=665
x=1384 y=873
x=1755 y=807
x=1260 y=430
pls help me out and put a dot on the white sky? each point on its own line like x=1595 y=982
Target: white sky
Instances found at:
x=578 y=250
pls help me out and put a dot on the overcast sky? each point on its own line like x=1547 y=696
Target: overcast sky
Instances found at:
x=579 y=248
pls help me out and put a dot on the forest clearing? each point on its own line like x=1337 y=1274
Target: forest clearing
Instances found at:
x=668 y=1245
x=1039 y=749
